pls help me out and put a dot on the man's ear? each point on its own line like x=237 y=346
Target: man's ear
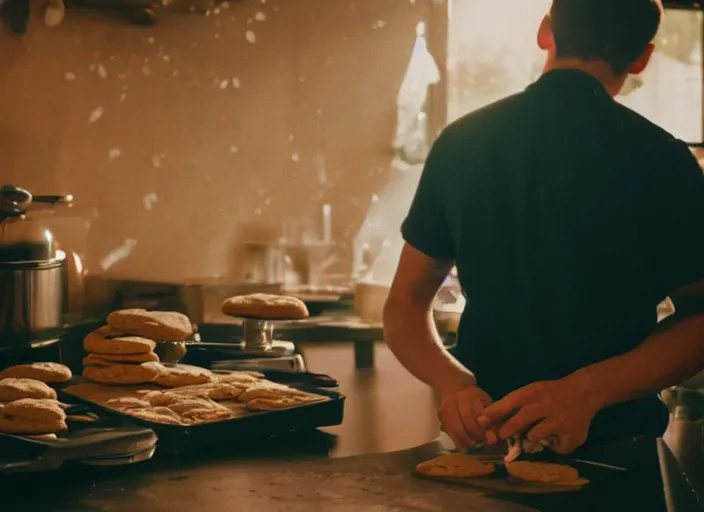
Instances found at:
x=642 y=62
x=546 y=41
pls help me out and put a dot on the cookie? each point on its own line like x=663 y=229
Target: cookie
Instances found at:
x=32 y=416
x=126 y=374
x=272 y=404
x=16 y=389
x=227 y=391
x=49 y=373
x=157 y=415
x=11 y=425
x=35 y=409
x=269 y=390
x=155 y=325
x=43 y=438
x=456 y=465
x=542 y=472
x=121 y=345
x=200 y=409
x=127 y=402
x=108 y=359
x=185 y=404
x=179 y=376
x=214 y=390
x=266 y=306
x=161 y=398
x=239 y=377
x=203 y=415
x=109 y=332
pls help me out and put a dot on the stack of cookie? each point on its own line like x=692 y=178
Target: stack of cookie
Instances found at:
x=122 y=352
x=28 y=406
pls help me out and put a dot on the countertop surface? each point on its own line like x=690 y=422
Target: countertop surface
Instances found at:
x=365 y=464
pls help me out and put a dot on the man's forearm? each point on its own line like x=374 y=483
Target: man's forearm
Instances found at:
x=412 y=336
x=666 y=358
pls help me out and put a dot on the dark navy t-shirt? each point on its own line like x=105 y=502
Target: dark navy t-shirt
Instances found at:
x=569 y=218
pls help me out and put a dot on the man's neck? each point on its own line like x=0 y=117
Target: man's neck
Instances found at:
x=598 y=70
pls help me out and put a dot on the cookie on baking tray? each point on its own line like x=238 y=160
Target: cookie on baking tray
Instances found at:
x=98 y=343
x=179 y=376
x=155 y=325
x=157 y=415
x=273 y=404
x=266 y=306
x=206 y=414
x=127 y=402
x=15 y=389
x=543 y=472
x=50 y=373
x=126 y=374
x=108 y=359
x=239 y=377
x=160 y=398
x=214 y=390
x=268 y=389
x=456 y=465
x=200 y=409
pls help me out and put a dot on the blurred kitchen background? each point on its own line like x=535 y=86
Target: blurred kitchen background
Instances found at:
x=264 y=144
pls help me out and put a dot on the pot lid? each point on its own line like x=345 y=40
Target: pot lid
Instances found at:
x=22 y=239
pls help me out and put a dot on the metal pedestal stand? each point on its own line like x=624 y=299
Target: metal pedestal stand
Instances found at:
x=259 y=349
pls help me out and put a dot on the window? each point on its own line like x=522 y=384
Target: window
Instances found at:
x=493 y=53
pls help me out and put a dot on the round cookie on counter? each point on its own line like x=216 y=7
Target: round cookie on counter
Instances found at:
x=544 y=472
x=456 y=465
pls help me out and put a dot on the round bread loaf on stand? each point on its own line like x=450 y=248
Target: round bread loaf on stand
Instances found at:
x=265 y=306
x=259 y=311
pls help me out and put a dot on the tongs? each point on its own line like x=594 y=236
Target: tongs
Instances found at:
x=515 y=450
x=517 y=446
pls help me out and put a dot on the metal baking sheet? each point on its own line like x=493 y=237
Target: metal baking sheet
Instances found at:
x=178 y=438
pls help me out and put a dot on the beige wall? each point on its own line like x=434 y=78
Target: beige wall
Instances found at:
x=320 y=82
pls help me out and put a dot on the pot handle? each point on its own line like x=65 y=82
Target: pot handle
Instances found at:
x=65 y=199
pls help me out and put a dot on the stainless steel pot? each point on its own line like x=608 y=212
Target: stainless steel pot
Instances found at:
x=33 y=273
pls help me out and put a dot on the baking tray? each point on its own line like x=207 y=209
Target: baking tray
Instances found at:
x=178 y=438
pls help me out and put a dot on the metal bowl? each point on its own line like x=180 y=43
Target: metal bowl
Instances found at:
x=171 y=351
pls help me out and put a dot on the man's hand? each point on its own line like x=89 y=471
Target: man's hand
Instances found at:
x=458 y=416
x=558 y=412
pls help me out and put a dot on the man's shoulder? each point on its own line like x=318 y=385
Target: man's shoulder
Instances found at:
x=642 y=125
x=487 y=115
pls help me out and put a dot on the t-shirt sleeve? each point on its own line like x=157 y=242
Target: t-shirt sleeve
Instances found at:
x=679 y=219
x=426 y=228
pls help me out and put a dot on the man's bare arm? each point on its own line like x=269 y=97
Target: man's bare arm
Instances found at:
x=409 y=328
x=671 y=355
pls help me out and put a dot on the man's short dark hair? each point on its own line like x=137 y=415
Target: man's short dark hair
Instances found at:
x=614 y=31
